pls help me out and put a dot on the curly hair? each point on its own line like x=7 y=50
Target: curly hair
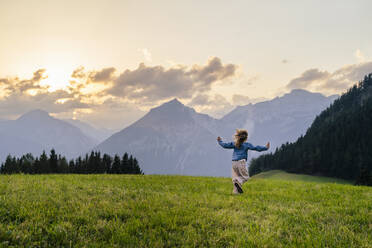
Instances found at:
x=241 y=136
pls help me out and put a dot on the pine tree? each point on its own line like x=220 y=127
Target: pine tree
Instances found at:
x=106 y=163
x=364 y=177
x=7 y=167
x=63 y=166
x=53 y=161
x=125 y=164
x=56 y=163
x=116 y=165
x=44 y=163
x=136 y=168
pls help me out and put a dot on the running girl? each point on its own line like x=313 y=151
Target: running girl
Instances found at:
x=239 y=171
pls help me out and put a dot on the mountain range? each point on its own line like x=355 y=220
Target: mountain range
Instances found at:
x=36 y=131
x=280 y=120
x=171 y=138
x=175 y=139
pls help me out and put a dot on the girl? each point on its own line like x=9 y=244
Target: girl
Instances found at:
x=239 y=171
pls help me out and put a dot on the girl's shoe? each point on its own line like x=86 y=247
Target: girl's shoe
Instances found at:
x=238 y=186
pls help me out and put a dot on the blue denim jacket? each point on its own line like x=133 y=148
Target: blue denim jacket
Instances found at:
x=241 y=153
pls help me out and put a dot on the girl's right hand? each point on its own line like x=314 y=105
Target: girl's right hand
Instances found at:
x=268 y=145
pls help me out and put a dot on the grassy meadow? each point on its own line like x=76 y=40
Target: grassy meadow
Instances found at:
x=276 y=210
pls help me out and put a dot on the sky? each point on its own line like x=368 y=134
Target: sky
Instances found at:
x=108 y=62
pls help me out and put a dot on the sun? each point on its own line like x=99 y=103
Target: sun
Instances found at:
x=57 y=77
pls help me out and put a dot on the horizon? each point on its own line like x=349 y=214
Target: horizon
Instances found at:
x=110 y=65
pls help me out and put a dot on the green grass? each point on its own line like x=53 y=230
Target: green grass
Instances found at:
x=169 y=211
x=282 y=175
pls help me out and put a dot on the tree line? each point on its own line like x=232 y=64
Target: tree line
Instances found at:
x=338 y=143
x=93 y=163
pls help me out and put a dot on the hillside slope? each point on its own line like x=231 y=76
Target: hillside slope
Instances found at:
x=172 y=139
x=174 y=211
x=338 y=143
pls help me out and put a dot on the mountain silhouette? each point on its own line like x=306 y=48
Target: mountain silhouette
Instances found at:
x=36 y=131
x=171 y=139
x=175 y=139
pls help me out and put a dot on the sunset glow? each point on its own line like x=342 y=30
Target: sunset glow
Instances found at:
x=212 y=55
x=57 y=78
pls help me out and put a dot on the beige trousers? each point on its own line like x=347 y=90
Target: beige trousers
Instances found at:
x=239 y=171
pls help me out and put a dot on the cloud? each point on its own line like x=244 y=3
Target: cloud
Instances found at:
x=200 y=100
x=18 y=103
x=39 y=75
x=242 y=100
x=308 y=77
x=104 y=75
x=106 y=111
x=20 y=96
x=213 y=71
x=113 y=114
x=359 y=56
x=107 y=98
x=17 y=85
x=331 y=82
x=79 y=73
x=216 y=106
x=4 y=82
x=146 y=54
x=285 y=61
x=149 y=84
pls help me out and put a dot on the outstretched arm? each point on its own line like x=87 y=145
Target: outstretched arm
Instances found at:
x=259 y=148
x=228 y=145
